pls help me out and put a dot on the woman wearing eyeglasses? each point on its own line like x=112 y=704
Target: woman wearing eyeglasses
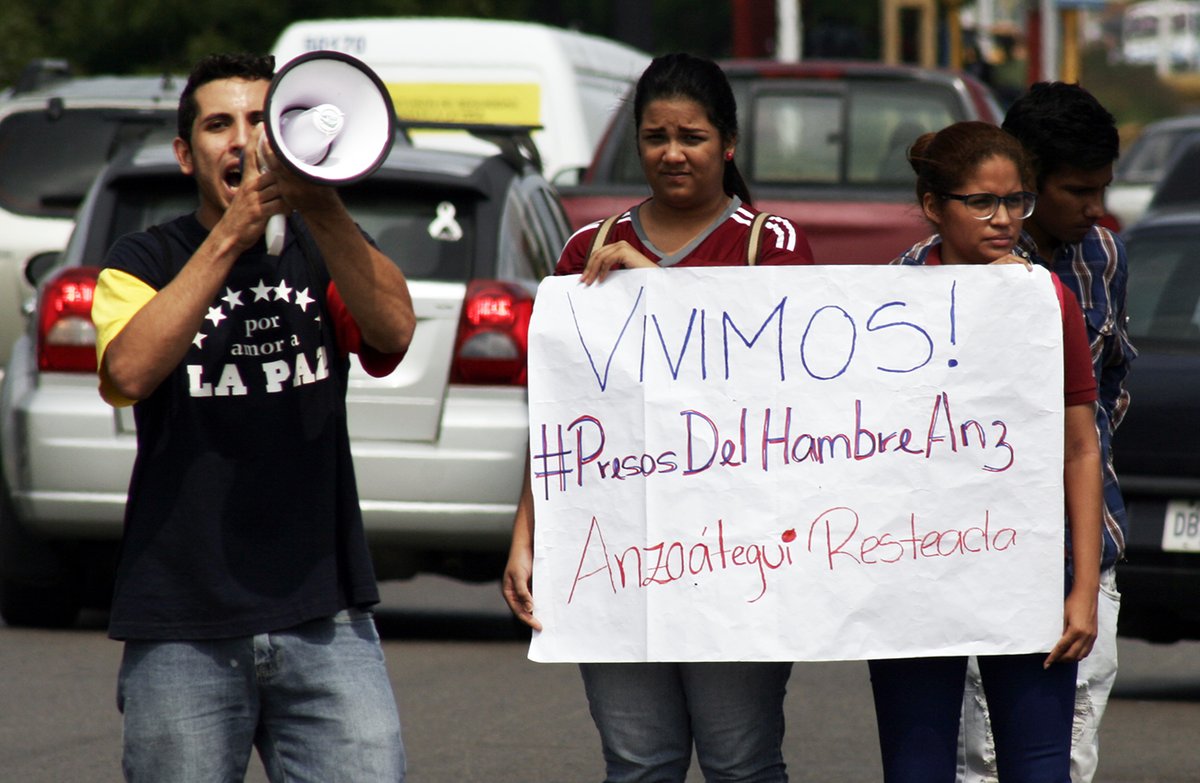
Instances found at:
x=973 y=185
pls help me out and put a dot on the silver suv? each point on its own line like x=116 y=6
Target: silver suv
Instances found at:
x=438 y=445
x=56 y=132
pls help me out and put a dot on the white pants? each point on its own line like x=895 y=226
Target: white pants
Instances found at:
x=977 y=753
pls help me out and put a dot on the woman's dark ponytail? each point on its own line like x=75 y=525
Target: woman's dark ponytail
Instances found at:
x=734 y=184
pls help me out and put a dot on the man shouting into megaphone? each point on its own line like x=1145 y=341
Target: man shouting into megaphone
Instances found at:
x=244 y=588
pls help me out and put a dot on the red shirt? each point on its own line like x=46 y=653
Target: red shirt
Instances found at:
x=723 y=244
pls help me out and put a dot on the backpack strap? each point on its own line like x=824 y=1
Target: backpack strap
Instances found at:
x=755 y=239
x=602 y=233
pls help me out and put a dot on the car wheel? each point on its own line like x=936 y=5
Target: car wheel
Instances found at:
x=38 y=588
x=39 y=606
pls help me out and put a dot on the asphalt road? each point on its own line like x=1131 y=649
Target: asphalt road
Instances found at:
x=475 y=710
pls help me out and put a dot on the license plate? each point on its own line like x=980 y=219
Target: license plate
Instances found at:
x=1181 y=527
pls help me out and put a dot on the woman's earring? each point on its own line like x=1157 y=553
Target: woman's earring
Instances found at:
x=728 y=154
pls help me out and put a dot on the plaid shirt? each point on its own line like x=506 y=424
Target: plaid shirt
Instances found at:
x=1096 y=271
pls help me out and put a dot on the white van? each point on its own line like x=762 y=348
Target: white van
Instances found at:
x=487 y=72
x=1163 y=33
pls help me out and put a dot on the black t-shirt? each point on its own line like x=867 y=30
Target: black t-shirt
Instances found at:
x=243 y=513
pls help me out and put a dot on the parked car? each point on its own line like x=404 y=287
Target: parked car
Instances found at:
x=1178 y=188
x=821 y=143
x=439 y=445
x=56 y=131
x=1140 y=169
x=1157 y=448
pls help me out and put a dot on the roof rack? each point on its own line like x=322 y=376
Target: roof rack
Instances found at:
x=41 y=72
x=515 y=141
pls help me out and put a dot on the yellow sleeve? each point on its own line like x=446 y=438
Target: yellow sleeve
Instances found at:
x=118 y=297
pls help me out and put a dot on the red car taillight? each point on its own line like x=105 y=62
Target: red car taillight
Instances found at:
x=493 y=334
x=66 y=339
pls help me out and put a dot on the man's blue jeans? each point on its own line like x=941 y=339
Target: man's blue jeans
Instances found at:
x=649 y=714
x=315 y=700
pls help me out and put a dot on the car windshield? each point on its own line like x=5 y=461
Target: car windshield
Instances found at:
x=1164 y=290
x=427 y=232
x=48 y=159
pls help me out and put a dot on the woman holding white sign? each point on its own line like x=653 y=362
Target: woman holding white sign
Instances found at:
x=973 y=184
x=649 y=715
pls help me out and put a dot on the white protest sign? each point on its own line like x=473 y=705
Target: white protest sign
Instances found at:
x=797 y=463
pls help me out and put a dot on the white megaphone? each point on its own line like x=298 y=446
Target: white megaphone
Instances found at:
x=329 y=118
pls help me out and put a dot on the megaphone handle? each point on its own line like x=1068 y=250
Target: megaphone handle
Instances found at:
x=276 y=224
x=276 y=228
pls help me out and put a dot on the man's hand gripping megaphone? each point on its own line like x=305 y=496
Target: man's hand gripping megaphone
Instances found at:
x=307 y=135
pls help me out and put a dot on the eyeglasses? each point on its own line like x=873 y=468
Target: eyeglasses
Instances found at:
x=983 y=206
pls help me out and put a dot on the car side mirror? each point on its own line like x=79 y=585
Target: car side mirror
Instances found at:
x=37 y=267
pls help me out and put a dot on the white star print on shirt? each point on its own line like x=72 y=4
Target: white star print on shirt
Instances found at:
x=198 y=340
x=303 y=300
x=215 y=315
x=282 y=292
x=262 y=291
x=232 y=298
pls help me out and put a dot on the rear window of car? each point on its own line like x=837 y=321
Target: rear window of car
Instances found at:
x=858 y=136
x=1147 y=159
x=1163 y=298
x=48 y=159
x=427 y=232
x=810 y=132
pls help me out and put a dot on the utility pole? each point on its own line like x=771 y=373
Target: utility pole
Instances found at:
x=789 y=35
x=954 y=34
x=753 y=27
x=1048 y=29
x=1070 y=45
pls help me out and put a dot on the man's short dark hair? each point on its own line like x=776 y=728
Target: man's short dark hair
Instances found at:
x=1062 y=124
x=211 y=68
